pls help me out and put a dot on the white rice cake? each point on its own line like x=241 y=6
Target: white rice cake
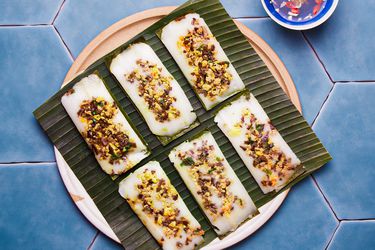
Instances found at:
x=160 y=208
x=213 y=183
x=201 y=59
x=268 y=157
x=154 y=91
x=105 y=129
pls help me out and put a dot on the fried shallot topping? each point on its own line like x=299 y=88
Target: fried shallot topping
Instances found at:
x=210 y=75
x=157 y=197
x=207 y=170
x=155 y=88
x=106 y=138
x=258 y=145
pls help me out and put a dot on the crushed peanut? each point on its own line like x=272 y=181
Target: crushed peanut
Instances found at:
x=155 y=89
x=258 y=145
x=210 y=75
x=106 y=138
x=152 y=188
x=207 y=170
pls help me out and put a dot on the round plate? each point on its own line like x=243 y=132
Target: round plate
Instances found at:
x=113 y=37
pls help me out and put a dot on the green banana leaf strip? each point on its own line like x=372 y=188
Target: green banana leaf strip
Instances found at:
x=257 y=78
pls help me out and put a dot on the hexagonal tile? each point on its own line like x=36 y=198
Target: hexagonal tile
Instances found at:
x=28 y=12
x=37 y=212
x=346 y=42
x=33 y=63
x=354 y=235
x=102 y=242
x=244 y=8
x=78 y=24
x=303 y=220
x=311 y=81
x=346 y=127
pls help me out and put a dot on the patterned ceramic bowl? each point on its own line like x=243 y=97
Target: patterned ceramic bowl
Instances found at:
x=299 y=14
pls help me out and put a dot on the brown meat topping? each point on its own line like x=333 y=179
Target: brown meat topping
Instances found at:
x=258 y=145
x=151 y=189
x=155 y=89
x=210 y=75
x=208 y=172
x=106 y=138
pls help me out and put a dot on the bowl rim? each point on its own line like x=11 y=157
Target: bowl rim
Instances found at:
x=306 y=26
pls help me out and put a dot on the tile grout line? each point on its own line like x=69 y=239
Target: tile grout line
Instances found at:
x=317 y=56
x=324 y=67
x=2 y=164
x=325 y=198
x=332 y=236
x=93 y=240
x=357 y=220
x=325 y=70
x=322 y=106
x=62 y=40
x=357 y=81
x=24 y=25
x=58 y=12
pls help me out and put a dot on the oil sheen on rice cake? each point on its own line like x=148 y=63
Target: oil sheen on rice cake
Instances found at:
x=213 y=183
x=261 y=147
x=155 y=92
x=201 y=59
x=105 y=129
x=160 y=208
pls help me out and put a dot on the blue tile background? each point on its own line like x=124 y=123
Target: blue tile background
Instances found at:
x=335 y=208
x=303 y=221
x=75 y=16
x=352 y=235
x=37 y=212
x=346 y=42
x=33 y=63
x=346 y=127
x=28 y=11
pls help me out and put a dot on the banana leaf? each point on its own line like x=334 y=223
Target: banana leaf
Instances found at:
x=257 y=78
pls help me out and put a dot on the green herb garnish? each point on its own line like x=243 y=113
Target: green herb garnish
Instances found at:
x=267 y=171
x=211 y=170
x=260 y=127
x=188 y=161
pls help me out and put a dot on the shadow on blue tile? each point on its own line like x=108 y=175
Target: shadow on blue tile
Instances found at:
x=353 y=235
x=76 y=17
x=346 y=127
x=304 y=221
x=312 y=82
x=28 y=12
x=102 y=242
x=33 y=63
x=37 y=212
x=346 y=42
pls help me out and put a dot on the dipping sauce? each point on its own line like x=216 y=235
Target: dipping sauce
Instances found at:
x=298 y=10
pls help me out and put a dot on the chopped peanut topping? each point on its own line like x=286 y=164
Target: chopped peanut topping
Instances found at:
x=210 y=75
x=153 y=189
x=105 y=137
x=155 y=89
x=208 y=172
x=258 y=145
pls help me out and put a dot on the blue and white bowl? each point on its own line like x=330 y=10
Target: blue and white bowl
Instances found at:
x=299 y=14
